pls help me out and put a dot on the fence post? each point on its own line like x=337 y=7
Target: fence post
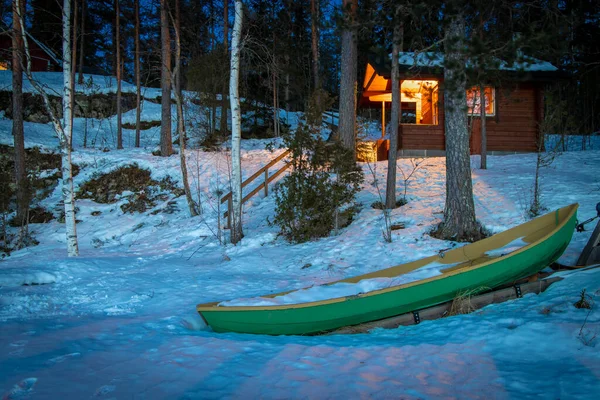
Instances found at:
x=266 y=182
x=229 y=211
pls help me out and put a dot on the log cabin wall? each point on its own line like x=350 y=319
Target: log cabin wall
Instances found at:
x=423 y=137
x=513 y=128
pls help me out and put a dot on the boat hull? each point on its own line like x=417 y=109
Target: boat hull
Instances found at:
x=476 y=273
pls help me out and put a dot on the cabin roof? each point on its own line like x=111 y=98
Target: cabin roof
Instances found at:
x=432 y=64
x=436 y=59
x=5 y=29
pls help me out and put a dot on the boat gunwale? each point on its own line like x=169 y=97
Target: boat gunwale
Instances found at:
x=213 y=306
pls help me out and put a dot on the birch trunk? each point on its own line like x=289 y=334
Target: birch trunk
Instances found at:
x=236 y=126
x=138 y=83
x=119 y=70
x=347 y=119
x=67 y=137
x=483 y=129
x=17 y=112
x=390 y=191
x=459 y=213
x=166 y=145
x=63 y=129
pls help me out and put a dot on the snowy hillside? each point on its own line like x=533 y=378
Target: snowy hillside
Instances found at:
x=120 y=322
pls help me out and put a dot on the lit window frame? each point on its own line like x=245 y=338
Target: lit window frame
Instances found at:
x=476 y=104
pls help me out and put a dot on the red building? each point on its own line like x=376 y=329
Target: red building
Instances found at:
x=513 y=110
x=42 y=58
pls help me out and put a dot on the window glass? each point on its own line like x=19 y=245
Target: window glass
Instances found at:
x=474 y=101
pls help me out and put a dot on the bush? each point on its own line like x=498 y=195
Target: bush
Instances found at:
x=322 y=185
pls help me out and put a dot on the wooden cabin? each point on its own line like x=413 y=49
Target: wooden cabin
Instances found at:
x=513 y=111
x=42 y=58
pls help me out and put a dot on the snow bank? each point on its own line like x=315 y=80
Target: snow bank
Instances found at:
x=14 y=278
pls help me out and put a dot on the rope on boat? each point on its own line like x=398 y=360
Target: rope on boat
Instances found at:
x=581 y=227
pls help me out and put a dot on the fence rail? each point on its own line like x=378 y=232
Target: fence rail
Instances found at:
x=264 y=171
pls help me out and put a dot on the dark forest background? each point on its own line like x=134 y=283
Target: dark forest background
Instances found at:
x=278 y=43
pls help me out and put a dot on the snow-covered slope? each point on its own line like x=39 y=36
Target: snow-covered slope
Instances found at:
x=119 y=321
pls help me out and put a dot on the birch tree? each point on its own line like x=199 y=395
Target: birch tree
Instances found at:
x=236 y=125
x=459 y=222
x=63 y=129
x=347 y=124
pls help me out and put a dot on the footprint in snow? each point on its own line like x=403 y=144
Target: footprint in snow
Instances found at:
x=103 y=390
x=21 y=390
x=60 y=359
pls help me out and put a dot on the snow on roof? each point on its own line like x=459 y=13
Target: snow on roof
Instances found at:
x=436 y=59
x=6 y=28
x=46 y=49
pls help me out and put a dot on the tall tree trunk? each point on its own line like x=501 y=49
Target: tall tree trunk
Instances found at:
x=81 y=41
x=390 y=191
x=63 y=129
x=347 y=119
x=113 y=32
x=17 y=112
x=236 y=126
x=138 y=83
x=483 y=128
x=74 y=57
x=287 y=62
x=67 y=166
x=223 y=121
x=180 y=115
x=459 y=213
x=275 y=79
x=166 y=145
x=119 y=71
x=211 y=21
x=315 y=10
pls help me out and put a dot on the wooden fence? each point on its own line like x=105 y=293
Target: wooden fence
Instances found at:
x=264 y=172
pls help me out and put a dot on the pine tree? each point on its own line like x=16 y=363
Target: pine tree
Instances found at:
x=18 y=58
x=459 y=222
x=138 y=78
x=397 y=44
x=347 y=124
x=166 y=145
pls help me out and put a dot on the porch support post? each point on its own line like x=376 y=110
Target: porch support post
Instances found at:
x=383 y=119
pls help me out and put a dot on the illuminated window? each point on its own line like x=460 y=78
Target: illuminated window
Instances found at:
x=474 y=101
x=3 y=66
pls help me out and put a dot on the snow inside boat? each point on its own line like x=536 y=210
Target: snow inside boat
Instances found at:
x=477 y=267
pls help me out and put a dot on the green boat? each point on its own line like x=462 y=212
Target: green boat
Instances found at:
x=476 y=267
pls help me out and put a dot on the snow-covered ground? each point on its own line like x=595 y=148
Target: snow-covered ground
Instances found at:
x=120 y=322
